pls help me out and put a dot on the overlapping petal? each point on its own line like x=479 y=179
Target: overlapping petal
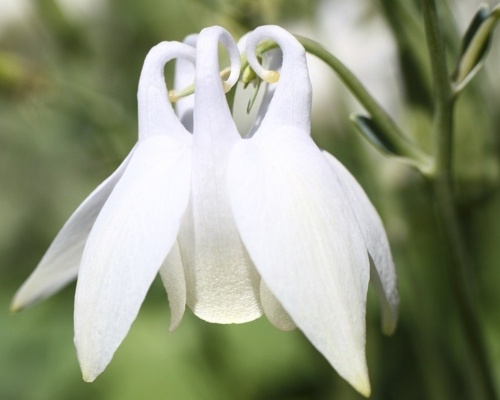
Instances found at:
x=174 y=281
x=131 y=237
x=274 y=310
x=384 y=273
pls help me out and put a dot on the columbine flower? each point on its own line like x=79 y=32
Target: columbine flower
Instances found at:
x=238 y=227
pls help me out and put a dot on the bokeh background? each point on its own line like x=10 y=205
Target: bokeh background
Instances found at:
x=68 y=79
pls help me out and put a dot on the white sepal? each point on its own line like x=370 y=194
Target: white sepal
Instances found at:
x=303 y=238
x=61 y=262
x=370 y=224
x=131 y=237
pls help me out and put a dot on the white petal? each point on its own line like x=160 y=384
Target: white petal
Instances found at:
x=384 y=273
x=133 y=234
x=222 y=284
x=274 y=311
x=60 y=264
x=172 y=276
x=298 y=229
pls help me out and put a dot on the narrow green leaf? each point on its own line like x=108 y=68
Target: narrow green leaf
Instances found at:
x=376 y=136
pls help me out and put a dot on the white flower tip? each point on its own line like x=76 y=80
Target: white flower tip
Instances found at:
x=87 y=377
x=93 y=360
x=16 y=306
x=90 y=370
x=388 y=297
x=22 y=299
x=174 y=323
x=356 y=374
x=91 y=363
x=389 y=324
x=362 y=385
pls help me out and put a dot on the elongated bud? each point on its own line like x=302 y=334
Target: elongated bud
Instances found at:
x=475 y=45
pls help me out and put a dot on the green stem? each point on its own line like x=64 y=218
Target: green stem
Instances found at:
x=442 y=184
x=400 y=142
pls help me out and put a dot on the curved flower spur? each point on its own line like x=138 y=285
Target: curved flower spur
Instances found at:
x=236 y=227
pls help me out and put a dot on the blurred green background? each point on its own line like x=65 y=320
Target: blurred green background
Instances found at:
x=68 y=82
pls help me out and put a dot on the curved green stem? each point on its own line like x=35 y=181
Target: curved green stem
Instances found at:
x=441 y=178
x=401 y=143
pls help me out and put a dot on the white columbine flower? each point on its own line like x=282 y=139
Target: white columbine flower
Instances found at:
x=237 y=227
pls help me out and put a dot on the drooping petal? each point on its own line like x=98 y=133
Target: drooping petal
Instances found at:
x=131 y=237
x=172 y=276
x=296 y=222
x=222 y=284
x=61 y=262
x=298 y=229
x=138 y=224
x=384 y=273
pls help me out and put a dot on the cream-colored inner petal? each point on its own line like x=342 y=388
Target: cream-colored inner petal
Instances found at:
x=274 y=311
x=222 y=283
x=172 y=276
x=221 y=280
